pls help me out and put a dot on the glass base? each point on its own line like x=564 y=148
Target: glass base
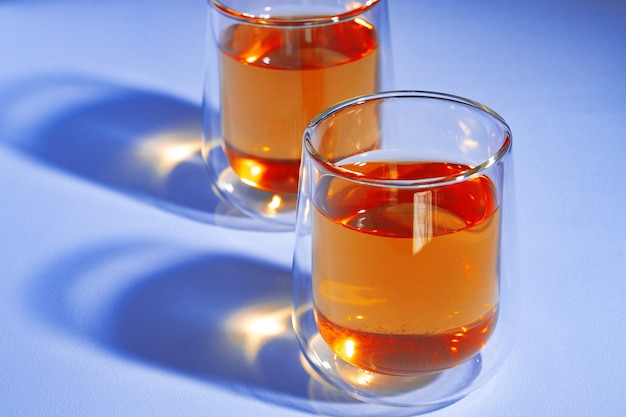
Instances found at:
x=269 y=211
x=425 y=392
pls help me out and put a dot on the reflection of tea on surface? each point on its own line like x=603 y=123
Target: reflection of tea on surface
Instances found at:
x=405 y=281
x=275 y=80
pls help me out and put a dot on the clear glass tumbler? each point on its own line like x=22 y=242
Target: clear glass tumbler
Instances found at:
x=404 y=265
x=279 y=63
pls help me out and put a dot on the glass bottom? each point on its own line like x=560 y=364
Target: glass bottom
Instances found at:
x=268 y=211
x=424 y=392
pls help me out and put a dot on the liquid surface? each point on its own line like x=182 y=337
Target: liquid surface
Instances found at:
x=275 y=80
x=405 y=282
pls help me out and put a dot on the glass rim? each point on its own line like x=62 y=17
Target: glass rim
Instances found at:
x=313 y=20
x=355 y=176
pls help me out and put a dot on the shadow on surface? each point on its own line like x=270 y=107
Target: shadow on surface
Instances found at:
x=220 y=318
x=137 y=142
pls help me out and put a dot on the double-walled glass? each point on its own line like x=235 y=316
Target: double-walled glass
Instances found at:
x=403 y=275
x=279 y=63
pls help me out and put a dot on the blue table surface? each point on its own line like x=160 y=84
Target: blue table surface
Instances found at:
x=129 y=289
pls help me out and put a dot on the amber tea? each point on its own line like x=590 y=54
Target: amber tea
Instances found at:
x=405 y=281
x=275 y=79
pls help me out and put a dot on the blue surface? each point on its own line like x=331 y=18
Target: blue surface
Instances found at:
x=130 y=289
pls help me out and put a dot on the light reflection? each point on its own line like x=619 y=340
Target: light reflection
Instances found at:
x=357 y=4
x=354 y=5
x=422 y=220
x=166 y=151
x=255 y=170
x=248 y=182
x=349 y=348
x=254 y=327
x=365 y=378
x=306 y=209
x=228 y=187
x=364 y=23
x=469 y=144
x=275 y=203
x=465 y=128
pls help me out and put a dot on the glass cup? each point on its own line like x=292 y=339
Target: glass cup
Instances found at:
x=403 y=274
x=281 y=62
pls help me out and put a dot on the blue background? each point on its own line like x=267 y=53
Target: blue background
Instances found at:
x=128 y=288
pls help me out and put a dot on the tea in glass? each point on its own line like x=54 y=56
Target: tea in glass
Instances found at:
x=280 y=63
x=403 y=268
